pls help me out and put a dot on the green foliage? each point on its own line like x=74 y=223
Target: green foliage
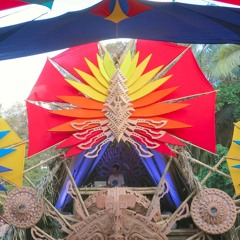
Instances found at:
x=216 y=180
x=16 y=117
x=229 y=94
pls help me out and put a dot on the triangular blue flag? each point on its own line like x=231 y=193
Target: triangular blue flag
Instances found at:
x=6 y=151
x=236 y=166
x=237 y=141
x=4 y=169
x=4 y=133
x=2 y=188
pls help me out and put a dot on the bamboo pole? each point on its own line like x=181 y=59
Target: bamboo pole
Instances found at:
x=42 y=162
x=16 y=144
x=155 y=196
x=196 y=236
x=43 y=233
x=93 y=190
x=205 y=165
x=231 y=158
x=189 y=96
x=43 y=150
x=214 y=168
x=76 y=188
x=171 y=64
x=193 y=145
x=49 y=204
x=3 y=196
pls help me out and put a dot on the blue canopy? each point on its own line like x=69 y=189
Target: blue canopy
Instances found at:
x=82 y=168
x=141 y=19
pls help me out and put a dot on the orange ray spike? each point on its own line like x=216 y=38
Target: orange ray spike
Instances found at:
x=153 y=97
x=79 y=113
x=82 y=102
x=158 y=109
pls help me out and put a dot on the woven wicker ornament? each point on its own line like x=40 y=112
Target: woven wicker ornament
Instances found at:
x=22 y=208
x=213 y=211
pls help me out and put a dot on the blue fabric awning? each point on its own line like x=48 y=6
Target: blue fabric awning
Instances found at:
x=174 y=22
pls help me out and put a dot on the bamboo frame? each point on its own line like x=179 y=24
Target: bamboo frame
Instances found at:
x=16 y=145
x=205 y=165
x=49 y=204
x=42 y=163
x=171 y=64
x=155 y=196
x=76 y=189
x=43 y=233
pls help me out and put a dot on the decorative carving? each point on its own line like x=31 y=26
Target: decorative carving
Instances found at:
x=118 y=105
x=124 y=197
x=22 y=208
x=213 y=211
x=182 y=212
x=119 y=214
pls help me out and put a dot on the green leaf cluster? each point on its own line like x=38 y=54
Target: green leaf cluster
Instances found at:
x=229 y=95
x=216 y=180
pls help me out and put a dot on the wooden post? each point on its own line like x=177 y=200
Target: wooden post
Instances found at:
x=48 y=237
x=205 y=165
x=49 y=204
x=76 y=189
x=155 y=198
x=42 y=162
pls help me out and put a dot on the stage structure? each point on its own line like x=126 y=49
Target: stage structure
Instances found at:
x=142 y=107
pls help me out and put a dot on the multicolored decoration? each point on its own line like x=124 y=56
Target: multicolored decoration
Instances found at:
x=213 y=211
x=233 y=158
x=12 y=154
x=145 y=99
x=22 y=207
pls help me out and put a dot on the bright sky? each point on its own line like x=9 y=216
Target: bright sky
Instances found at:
x=18 y=76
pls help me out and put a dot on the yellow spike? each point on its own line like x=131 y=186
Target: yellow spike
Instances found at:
x=87 y=90
x=143 y=80
x=102 y=69
x=117 y=14
x=139 y=70
x=126 y=63
x=148 y=88
x=96 y=72
x=92 y=81
x=109 y=65
x=132 y=67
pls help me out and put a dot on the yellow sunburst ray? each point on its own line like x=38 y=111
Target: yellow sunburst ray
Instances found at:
x=92 y=81
x=102 y=69
x=109 y=65
x=148 y=88
x=143 y=80
x=132 y=67
x=126 y=64
x=97 y=73
x=138 y=71
x=87 y=90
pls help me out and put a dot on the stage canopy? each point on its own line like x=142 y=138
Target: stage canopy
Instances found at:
x=166 y=21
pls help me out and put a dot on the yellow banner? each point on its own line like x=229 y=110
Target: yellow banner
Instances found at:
x=15 y=159
x=233 y=158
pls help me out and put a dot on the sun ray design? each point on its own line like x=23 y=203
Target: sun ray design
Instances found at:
x=120 y=102
x=152 y=95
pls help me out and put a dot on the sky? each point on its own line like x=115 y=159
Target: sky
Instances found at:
x=18 y=76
